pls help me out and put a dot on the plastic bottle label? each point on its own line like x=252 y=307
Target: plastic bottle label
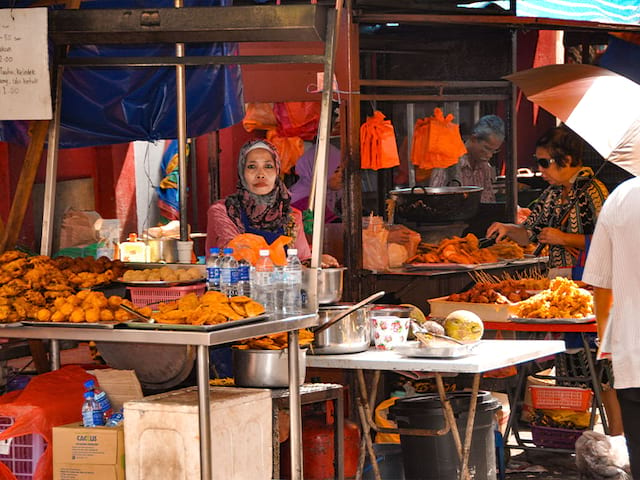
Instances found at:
x=104 y=403
x=213 y=278
x=243 y=273
x=92 y=418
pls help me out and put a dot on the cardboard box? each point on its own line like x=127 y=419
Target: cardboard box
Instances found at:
x=488 y=312
x=119 y=385
x=81 y=453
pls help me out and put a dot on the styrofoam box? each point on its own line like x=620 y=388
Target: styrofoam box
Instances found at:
x=161 y=435
x=488 y=312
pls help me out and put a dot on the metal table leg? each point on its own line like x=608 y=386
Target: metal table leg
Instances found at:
x=204 y=412
x=54 y=349
x=295 y=415
x=595 y=384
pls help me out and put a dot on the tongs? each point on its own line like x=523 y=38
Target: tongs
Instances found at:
x=422 y=334
x=487 y=241
x=137 y=313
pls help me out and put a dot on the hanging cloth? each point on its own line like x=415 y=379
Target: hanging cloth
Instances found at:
x=436 y=142
x=378 y=148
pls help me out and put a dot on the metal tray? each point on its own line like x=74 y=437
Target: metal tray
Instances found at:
x=439 y=266
x=589 y=319
x=113 y=324
x=159 y=283
x=193 y=328
x=416 y=349
x=11 y=325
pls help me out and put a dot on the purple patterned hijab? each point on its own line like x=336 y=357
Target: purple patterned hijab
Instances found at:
x=265 y=212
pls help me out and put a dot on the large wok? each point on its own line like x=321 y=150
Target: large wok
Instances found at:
x=435 y=204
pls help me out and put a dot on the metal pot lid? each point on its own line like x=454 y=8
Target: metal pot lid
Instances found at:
x=419 y=190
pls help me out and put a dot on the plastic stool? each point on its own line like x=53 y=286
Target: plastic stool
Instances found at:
x=500 y=455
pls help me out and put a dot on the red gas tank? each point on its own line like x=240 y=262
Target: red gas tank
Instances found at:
x=318 y=450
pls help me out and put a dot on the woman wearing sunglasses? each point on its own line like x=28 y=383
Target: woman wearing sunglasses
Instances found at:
x=564 y=216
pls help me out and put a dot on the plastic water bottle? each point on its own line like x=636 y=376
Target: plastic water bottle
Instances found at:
x=292 y=302
x=213 y=269
x=263 y=287
x=229 y=273
x=244 y=280
x=278 y=286
x=91 y=413
x=101 y=398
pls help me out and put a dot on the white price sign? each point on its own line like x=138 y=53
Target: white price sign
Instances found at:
x=25 y=91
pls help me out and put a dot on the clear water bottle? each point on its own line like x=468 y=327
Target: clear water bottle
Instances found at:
x=292 y=302
x=213 y=269
x=91 y=414
x=244 y=280
x=263 y=287
x=101 y=398
x=229 y=273
x=278 y=282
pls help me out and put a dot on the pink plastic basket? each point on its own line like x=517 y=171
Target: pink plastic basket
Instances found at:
x=570 y=398
x=551 y=437
x=141 y=296
x=24 y=452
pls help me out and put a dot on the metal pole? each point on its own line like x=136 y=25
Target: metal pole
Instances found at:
x=295 y=416
x=204 y=412
x=182 y=137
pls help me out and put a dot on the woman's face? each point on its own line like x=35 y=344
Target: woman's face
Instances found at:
x=553 y=173
x=260 y=171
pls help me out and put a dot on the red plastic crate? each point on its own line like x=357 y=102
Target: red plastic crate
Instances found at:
x=24 y=452
x=552 y=437
x=141 y=296
x=570 y=398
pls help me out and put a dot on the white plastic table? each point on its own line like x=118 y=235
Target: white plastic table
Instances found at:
x=201 y=340
x=487 y=355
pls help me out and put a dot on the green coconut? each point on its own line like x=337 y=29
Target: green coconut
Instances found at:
x=464 y=325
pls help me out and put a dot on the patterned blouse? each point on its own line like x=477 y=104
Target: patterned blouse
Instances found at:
x=550 y=206
x=482 y=176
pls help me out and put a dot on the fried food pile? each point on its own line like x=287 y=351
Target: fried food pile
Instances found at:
x=465 y=250
x=29 y=283
x=505 y=291
x=276 y=341
x=563 y=299
x=211 y=308
x=164 y=274
x=85 y=306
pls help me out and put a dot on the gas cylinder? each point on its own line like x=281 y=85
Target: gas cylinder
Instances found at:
x=318 y=450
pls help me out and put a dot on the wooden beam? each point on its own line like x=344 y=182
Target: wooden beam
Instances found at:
x=38 y=131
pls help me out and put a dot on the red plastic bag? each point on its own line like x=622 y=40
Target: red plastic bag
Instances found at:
x=49 y=400
x=297 y=119
x=378 y=148
x=259 y=116
x=436 y=142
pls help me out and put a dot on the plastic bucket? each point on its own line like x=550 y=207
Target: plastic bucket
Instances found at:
x=435 y=457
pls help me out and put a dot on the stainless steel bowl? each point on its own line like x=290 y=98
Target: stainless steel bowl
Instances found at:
x=330 y=283
x=435 y=204
x=265 y=368
x=350 y=335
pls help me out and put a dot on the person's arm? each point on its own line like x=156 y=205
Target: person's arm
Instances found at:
x=554 y=236
x=602 y=301
x=515 y=232
x=220 y=228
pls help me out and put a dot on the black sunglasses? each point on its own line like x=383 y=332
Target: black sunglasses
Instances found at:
x=543 y=162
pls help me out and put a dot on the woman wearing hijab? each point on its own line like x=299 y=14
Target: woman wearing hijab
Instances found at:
x=261 y=204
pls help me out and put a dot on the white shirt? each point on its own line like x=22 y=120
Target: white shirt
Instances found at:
x=614 y=262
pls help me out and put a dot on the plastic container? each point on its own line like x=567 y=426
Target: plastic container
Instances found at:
x=141 y=296
x=389 y=331
x=435 y=457
x=185 y=251
x=571 y=398
x=292 y=281
x=162 y=435
x=134 y=250
x=552 y=437
x=23 y=452
x=213 y=270
x=262 y=285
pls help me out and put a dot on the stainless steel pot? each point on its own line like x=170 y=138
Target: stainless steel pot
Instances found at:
x=435 y=204
x=350 y=335
x=265 y=368
x=163 y=250
x=330 y=283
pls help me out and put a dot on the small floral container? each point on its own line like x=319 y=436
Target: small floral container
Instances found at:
x=390 y=331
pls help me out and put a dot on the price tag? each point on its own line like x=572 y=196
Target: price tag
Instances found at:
x=25 y=91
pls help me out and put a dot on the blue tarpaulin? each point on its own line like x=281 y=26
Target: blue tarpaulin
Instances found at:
x=102 y=106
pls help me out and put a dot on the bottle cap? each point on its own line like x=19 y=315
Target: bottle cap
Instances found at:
x=292 y=251
x=89 y=384
x=88 y=394
x=264 y=253
x=228 y=251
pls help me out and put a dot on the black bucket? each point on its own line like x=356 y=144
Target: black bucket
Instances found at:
x=435 y=457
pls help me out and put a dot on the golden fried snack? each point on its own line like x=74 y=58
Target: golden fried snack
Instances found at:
x=254 y=308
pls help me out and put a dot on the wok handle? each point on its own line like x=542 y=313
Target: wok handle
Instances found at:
x=349 y=311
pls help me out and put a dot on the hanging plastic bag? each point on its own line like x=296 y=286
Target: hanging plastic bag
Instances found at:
x=297 y=119
x=378 y=147
x=290 y=150
x=374 y=245
x=259 y=116
x=436 y=142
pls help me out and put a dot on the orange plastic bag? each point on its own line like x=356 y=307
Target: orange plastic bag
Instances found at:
x=247 y=246
x=378 y=147
x=259 y=116
x=49 y=400
x=297 y=119
x=290 y=150
x=436 y=142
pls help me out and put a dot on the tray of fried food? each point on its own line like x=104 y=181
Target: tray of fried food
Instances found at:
x=211 y=311
x=275 y=341
x=563 y=302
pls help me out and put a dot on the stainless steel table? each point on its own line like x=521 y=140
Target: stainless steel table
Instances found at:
x=201 y=340
x=488 y=355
